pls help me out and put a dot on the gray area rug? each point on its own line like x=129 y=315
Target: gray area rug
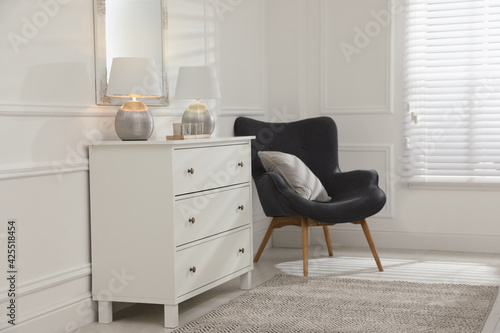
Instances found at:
x=289 y=303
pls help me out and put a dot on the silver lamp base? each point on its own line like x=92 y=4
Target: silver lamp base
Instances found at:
x=200 y=113
x=134 y=122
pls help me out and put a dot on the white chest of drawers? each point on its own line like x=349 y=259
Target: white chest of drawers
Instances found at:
x=169 y=220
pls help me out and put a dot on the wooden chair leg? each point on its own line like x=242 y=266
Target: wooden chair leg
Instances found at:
x=305 y=244
x=265 y=240
x=328 y=240
x=369 y=238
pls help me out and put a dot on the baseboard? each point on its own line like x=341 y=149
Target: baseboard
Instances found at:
x=290 y=237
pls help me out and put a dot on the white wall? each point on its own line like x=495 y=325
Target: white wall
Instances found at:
x=46 y=67
x=278 y=60
x=48 y=118
x=360 y=88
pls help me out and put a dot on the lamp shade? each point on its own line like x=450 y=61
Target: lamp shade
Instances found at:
x=197 y=82
x=133 y=77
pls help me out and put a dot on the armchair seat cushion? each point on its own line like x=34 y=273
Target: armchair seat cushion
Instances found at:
x=295 y=173
x=341 y=209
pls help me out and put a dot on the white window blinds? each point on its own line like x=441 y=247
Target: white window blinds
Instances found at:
x=452 y=84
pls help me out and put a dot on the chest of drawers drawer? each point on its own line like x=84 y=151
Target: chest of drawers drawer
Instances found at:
x=198 y=169
x=204 y=215
x=198 y=265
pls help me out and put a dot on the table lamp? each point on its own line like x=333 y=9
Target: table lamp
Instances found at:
x=132 y=78
x=198 y=82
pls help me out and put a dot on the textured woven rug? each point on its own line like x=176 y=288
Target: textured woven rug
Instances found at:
x=289 y=303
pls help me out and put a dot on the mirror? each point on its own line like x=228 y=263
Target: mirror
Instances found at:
x=130 y=28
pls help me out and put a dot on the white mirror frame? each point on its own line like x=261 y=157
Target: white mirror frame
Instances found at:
x=101 y=73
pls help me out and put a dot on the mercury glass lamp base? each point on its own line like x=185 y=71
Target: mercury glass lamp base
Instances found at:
x=134 y=122
x=200 y=113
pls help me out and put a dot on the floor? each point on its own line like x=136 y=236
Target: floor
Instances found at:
x=407 y=265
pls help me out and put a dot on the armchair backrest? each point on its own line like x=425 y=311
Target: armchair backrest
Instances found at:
x=313 y=140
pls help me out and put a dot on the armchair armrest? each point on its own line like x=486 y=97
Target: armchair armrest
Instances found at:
x=351 y=182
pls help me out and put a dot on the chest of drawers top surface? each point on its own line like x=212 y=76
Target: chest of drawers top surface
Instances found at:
x=179 y=143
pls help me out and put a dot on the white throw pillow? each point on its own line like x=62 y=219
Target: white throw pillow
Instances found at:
x=295 y=173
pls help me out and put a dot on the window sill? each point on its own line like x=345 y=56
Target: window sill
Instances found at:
x=454 y=183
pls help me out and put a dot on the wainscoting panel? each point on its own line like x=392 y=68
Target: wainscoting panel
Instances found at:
x=242 y=56
x=64 y=289
x=355 y=54
x=46 y=59
x=190 y=39
x=64 y=317
x=52 y=242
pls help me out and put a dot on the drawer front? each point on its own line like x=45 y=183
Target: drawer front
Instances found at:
x=207 y=262
x=206 y=215
x=204 y=168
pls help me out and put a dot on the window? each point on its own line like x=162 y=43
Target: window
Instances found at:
x=452 y=85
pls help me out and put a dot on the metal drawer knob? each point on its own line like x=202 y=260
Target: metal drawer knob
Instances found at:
x=191 y=171
x=192 y=220
x=193 y=269
x=240 y=164
x=241 y=207
x=242 y=250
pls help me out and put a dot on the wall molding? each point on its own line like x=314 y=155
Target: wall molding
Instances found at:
x=42 y=169
x=388 y=151
x=42 y=110
x=241 y=111
x=326 y=109
x=45 y=110
x=257 y=110
x=302 y=19
x=48 y=282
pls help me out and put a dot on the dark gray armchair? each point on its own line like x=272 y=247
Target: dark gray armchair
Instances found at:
x=355 y=195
